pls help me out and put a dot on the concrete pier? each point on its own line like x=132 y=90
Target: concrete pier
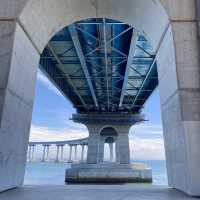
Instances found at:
x=109 y=173
x=111 y=129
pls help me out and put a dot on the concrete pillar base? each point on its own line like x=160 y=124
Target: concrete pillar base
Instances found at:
x=108 y=173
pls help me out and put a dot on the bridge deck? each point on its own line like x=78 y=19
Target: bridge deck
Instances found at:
x=83 y=141
x=101 y=65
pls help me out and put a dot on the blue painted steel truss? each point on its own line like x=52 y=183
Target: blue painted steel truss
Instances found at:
x=101 y=65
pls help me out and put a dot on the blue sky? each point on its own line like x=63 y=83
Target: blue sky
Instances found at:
x=52 y=112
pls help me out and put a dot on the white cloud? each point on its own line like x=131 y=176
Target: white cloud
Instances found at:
x=50 y=134
x=146 y=142
x=147 y=149
x=141 y=148
x=43 y=79
x=146 y=130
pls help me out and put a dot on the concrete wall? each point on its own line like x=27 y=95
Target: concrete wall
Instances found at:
x=17 y=95
x=179 y=83
x=142 y=14
x=17 y=79
x=23 y=34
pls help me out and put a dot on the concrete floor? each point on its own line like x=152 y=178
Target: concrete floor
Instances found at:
x=94 y=192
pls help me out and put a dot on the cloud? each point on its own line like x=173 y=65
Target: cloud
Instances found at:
x=45 y=81
x=147 y=149
x=39 y=133
x=146 y=142
x=144 y=145
x=146 y=130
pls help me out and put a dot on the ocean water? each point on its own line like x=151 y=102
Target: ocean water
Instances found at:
x=51 y=173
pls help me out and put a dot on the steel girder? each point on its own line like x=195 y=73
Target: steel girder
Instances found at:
x=106 y=65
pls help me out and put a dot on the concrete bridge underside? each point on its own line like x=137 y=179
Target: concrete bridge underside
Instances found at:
x=27 y=26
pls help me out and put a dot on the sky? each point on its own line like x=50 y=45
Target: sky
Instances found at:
x=52 y=113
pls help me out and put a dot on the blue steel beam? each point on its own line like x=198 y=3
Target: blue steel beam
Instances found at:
x=86 y=32
x=67 y=76
x=107 y=55
x=152 y=65
x=128 y=66
x=106 y=61
x=77 y=45
x=144 y=81
x=110 y=41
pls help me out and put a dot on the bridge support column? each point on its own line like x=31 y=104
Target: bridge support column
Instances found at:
x=70 y=153
x=111 y=151
x=61 y=157
x=101 y=151
x=82 y=152
x=44 y=153
x=111 y=128
x=179 y=61
x=18 y=68
x=47 y=158
x=75 y=152
x=117 y=152
x=57 y=153
x=123 y=146
x=93 y=146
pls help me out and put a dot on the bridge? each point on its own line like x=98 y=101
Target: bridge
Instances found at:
x=73 y=144
x=107 y=69
x=106 y=57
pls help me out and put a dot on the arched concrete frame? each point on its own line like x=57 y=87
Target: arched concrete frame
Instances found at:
x=107 y=126
x=103 y=137
x=24 y=34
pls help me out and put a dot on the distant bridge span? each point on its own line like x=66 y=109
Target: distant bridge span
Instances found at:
x=60 y=145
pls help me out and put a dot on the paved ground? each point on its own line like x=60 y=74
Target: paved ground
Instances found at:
x=93 y=192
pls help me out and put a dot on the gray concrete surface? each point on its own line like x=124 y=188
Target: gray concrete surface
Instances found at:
x=91 y=192
x=17 y=88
